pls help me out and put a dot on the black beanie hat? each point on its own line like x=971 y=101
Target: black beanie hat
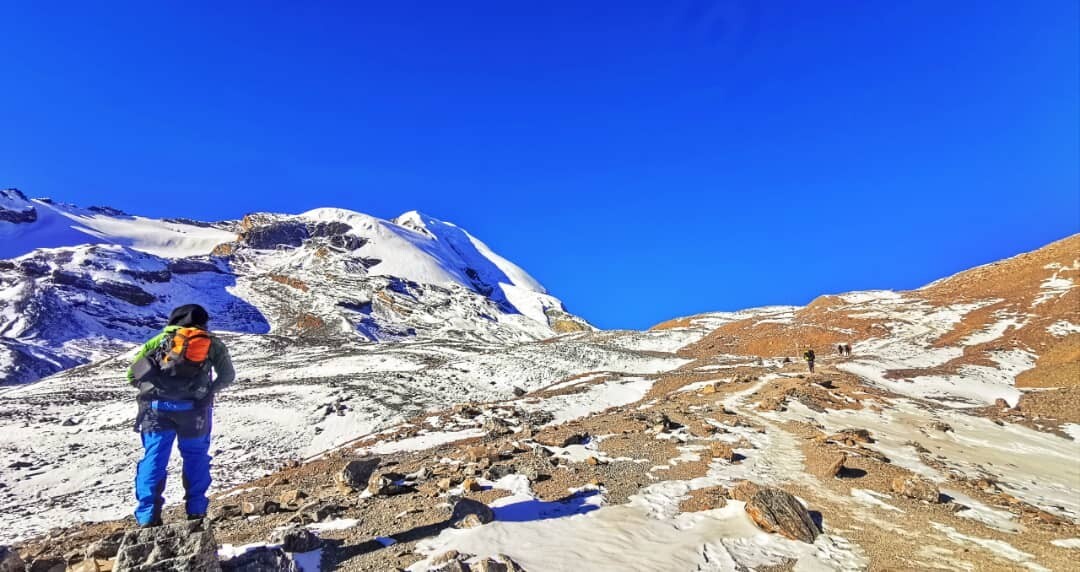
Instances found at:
x=189 y=315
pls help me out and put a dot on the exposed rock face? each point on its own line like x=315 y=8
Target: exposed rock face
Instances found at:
x=916 y=488
x=774 y=510
x=271 y=235
x=356 y=473
x=182 y=547
x=126 y=292
x=24 y=215
x=192 y=266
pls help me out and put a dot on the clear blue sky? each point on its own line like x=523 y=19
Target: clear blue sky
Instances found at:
x=644 y=160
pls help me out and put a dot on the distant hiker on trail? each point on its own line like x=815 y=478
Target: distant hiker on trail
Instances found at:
x=808 y=355
x=172 y=372
x=840 y=349
x=847 y=349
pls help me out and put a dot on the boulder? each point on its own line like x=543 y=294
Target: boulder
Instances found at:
x=261 y=559
x=260 y=507
x=775 y=510
x=297 y=539
x=291 y=497
x=497 y=472
x=227 y=511
x=916 y=488
x=47 y=564
x=104 y=548
x=575 y=439
x=496 y=427
x=386 y=484
x=832 y=468
x=469 y=513
x=470 y=485
x=356 y=474
x=10 y=561
x=187 y=546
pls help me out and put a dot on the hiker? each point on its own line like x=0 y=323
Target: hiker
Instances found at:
x=808 y=355
x=840 y=349
x=172 y=372
x=847 y=349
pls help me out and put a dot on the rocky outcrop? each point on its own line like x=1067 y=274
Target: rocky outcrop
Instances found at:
x=775 y=510
x=126 y=292
x=23 y=215
x=356 y=474
x=182 y=547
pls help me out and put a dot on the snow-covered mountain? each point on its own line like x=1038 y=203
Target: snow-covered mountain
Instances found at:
x=77 y=285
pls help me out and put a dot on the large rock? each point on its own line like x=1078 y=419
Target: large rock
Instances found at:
x=261 y=559
x=774 y=510
x=187 y=546
x=297 y=539
x=104 y=548
x=355 y=474
x=917 y=488
x=10 y=561
x=469 y=513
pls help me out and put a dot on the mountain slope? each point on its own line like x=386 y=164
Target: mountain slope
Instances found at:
x=324 y=274
x=971 y=338
x=29 y=224
x=630 y=450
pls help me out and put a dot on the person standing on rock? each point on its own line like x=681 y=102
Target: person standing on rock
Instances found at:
x=808 y=355
x=177 y=373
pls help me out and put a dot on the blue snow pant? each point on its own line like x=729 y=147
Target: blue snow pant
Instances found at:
x=161 y=423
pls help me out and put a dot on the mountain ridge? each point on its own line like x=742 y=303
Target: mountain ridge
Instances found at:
x=364 y=278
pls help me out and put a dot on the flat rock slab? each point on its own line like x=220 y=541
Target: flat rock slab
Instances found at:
x=182 y=547
x=774 y=510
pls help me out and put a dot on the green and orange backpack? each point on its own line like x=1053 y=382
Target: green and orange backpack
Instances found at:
x=178 y=367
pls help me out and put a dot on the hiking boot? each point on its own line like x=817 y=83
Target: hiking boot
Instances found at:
x=196 y=516
x=153 y=523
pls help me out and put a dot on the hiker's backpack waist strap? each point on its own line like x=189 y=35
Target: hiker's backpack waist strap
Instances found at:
x=159 y=405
